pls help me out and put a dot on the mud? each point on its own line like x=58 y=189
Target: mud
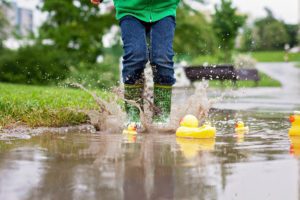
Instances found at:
x=23 y=132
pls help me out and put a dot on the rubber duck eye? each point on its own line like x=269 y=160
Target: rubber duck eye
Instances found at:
x=292 y=118
x=135 y=127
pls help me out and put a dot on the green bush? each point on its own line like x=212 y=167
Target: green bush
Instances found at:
x=96 y=75
x=194 y=35
x=269 y=34
x=226 y=24
x=44 y=65
x=33 y=65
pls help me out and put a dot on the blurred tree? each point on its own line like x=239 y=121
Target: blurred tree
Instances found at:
x=273 y=36
x=194 y=35
x=33 y=65
x=248 y=40
x=268 y=34
x=3 y=25
x=292 y=30
x=298 y=37
x=68 y=45
x=271 y=33
x=76 y=26
x=226 y=24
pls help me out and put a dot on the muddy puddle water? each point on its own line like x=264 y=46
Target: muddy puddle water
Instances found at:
x=262 y=164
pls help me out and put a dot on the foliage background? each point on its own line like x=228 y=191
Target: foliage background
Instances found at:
x=69 y=45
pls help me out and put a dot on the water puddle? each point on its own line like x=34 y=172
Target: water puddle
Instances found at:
x=262 y=164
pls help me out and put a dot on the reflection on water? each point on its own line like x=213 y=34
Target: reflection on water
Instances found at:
x=262 y=164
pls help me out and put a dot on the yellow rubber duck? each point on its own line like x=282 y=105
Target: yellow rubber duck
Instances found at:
x=295 y=121
x=131 y=129
x=240 y=137
x=130 y=138
x=295 y=145
x=241 y=128
x=189 y=129
x=191 y=147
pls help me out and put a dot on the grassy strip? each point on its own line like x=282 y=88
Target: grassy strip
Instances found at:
x=205 y=59
x=275 y=56
x=265 y=81
x=260 y=56
x=44 y=106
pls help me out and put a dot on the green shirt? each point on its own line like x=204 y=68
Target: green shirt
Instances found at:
x=146 y=10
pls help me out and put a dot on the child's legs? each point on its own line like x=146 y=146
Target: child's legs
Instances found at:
x=161 y=54
x=135 y=50
x=161 y=57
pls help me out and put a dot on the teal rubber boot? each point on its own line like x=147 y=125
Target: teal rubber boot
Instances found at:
x=133 y=93
x=162 y=101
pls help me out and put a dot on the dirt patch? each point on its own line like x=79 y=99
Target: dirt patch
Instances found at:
x=23 y=132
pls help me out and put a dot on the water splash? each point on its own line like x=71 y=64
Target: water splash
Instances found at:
x=198 y=104
x=111 y=117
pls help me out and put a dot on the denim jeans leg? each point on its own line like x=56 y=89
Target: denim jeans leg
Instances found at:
x=161 y=52
x=135 y=50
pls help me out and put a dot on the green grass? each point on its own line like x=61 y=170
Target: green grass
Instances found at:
x=260 y=56
x=200 y=60
x=265 y=81
x=44 y=106
x=275 y=56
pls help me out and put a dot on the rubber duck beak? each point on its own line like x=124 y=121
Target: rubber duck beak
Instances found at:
x=181 y=121
x=134 y=128
x=292 y=118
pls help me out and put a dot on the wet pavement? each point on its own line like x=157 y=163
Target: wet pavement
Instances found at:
x=261 y=164
x=282 y=99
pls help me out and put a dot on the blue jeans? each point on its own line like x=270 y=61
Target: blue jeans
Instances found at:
x=145 y=42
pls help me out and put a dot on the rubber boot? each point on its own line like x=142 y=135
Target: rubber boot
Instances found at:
x=134 y=93
x=162 y=101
